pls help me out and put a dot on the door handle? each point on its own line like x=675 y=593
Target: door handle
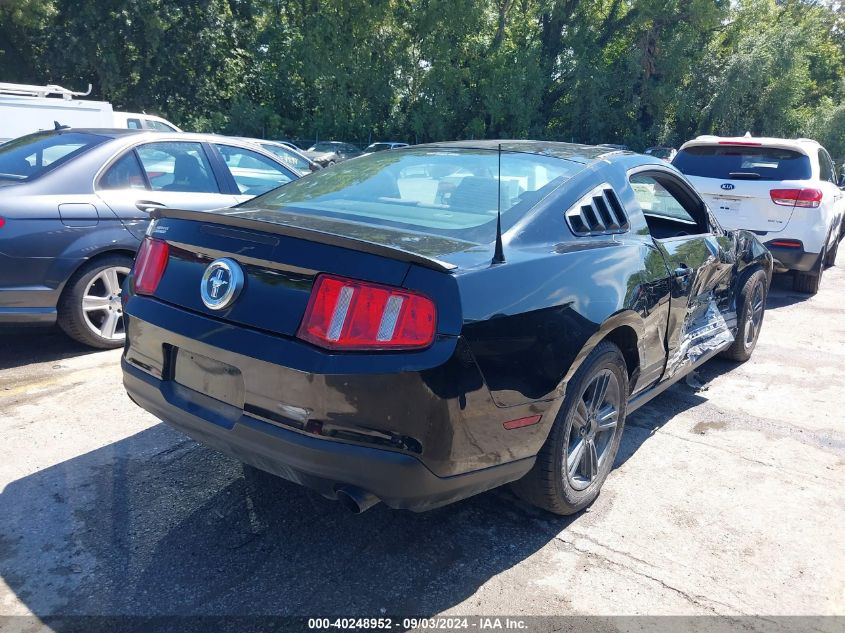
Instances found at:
x=148 y=206
x=682 y=271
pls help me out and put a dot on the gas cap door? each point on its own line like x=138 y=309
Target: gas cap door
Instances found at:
x=78 y=214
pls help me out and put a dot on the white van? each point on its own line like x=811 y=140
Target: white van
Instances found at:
x=25 y=109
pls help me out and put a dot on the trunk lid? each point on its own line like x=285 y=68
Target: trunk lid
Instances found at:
x=280 y=260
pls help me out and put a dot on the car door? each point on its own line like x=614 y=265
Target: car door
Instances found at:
x=175 y=174
x=252 y=173
x=700 y=258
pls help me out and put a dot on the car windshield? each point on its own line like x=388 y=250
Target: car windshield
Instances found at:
x=327 y=146
x=289 y=157
x=377 y=147
x=743 y=162
x=444 y=191
x=30 y=156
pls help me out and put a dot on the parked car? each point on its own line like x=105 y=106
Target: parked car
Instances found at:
x=382 y=146
x=289 y=156
x=663 y=153
x=328 y=153
x=369 y=332
x=784 y=190
x=74 y=205
x=25 y=109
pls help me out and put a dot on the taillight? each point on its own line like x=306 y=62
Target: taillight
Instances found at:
x=2 y=222
x=744 y=143
x=347 y=314
x=149 y=265
x=809 y=198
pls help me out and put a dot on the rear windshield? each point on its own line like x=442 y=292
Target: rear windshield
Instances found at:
x=451 y=192
x=740 y=162
x=30 y=156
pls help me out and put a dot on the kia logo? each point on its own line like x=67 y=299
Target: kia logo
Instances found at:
x=728 y=186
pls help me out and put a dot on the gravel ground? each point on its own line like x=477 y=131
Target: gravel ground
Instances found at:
x=727 y=499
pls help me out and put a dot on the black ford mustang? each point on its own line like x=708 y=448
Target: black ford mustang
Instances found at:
x=418 y=326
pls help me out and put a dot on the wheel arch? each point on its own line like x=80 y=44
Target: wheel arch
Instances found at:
x=625 y=330
x=84 y=263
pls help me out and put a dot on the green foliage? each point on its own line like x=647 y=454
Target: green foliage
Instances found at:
x=596 y=71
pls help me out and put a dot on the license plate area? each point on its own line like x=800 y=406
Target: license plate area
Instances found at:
x=726 y=205
x=208 y=376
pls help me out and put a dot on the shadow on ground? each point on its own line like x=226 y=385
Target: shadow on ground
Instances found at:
x=21 y=346
x=781 y=293
x=156 y=524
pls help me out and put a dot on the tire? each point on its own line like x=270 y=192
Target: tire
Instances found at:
x=91 y=324
x=808 y=283
x=830 y=258
x=547 y=485
x=752 y=309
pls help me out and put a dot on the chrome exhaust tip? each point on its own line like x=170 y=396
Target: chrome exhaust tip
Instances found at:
x=356 y=500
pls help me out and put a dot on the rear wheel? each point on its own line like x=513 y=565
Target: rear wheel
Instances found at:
x=752 y=307
x=90 y=309
x=580 y=450
x=830 y=259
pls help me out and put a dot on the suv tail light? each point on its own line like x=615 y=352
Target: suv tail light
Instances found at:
x=149 y=265
x=347 y=314
x=2 y=222
x=809 y=198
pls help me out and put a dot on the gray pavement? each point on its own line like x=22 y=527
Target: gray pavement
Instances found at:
x=724 y=500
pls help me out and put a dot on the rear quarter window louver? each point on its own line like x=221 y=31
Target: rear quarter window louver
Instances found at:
x=598 y=213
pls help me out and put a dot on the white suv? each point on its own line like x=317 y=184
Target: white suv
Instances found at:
x=783 y=190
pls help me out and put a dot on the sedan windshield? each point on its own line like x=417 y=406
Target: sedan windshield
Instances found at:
x=30 y=156
x=445 y=191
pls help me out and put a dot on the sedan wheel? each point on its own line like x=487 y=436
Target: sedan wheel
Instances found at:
x=584 y=439
x=90 y=309
x=751 y=308
x=591 y=432
x=101 y=306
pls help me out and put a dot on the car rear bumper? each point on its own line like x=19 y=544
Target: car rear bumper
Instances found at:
x=792 y=258
x=399 y=480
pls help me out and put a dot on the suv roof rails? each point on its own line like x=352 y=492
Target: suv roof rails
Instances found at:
x=25 y=90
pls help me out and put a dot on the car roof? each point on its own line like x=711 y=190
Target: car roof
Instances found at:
x=799 y=144
x=568 y=151
x=119 y=132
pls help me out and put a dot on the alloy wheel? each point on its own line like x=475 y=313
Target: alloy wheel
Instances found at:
x=591 y=433
x=102 y=309
x=755 y=316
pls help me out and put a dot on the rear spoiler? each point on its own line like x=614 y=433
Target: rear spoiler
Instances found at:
x=310 y=235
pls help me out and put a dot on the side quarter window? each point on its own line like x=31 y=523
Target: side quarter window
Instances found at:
x=670 y=210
